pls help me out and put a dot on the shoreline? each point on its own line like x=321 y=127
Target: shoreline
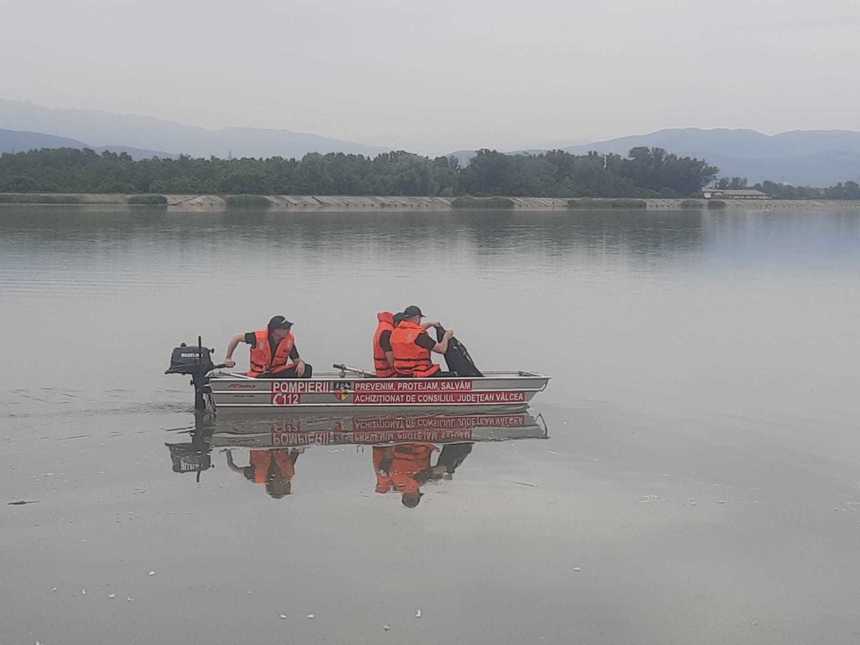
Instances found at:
x=299 y=203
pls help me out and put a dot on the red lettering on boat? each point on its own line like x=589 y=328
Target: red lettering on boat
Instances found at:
x=281 y=399
x=299 y=386
x=439 y=398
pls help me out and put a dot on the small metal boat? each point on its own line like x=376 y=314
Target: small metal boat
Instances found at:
x=351 y=389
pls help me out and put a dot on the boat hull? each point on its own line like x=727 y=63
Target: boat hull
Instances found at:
x=499 y=392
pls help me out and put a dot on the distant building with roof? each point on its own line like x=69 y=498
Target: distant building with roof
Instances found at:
x=725 y=193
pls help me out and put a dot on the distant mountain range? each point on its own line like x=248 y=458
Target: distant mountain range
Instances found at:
x=800 y=157
x=15 y=141
x=149 y=134
x=807 y=157
x=20 y=141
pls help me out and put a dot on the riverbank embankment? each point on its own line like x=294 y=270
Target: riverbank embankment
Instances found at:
x=206 y=203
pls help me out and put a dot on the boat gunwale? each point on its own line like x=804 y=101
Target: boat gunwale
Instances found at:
x=331 y=376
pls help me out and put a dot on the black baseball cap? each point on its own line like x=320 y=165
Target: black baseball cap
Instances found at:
x=411 y=311
x=279 y=322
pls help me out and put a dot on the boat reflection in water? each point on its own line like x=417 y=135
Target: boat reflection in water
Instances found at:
x=407 y=451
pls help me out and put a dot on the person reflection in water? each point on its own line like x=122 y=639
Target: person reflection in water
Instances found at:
x=403 y=468
x=406 y=467
x=272 y=468
x=452 y=455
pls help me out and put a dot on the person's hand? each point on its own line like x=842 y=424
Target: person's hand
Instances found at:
x=229 y=362
x=300 y=368
x=449 y=333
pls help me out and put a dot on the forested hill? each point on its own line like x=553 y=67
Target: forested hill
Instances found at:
x=645 y=172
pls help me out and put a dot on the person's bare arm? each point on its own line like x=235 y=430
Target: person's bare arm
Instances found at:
x=389 y=356
x=297 y=361
x=442 y=346
x=231 y=347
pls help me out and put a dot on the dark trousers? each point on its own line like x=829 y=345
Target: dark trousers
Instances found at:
x=291 y=373
x=452 y=456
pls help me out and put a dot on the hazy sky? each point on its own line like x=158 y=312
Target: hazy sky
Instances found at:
x=443 y=74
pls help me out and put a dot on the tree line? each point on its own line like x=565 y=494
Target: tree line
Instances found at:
x=645 y=172
x=841 y=190
x=775 y=190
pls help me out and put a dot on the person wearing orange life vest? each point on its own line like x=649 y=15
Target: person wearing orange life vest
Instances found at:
x=412 y=345
x=383 y=355
x=273 y=352
x=272 y=468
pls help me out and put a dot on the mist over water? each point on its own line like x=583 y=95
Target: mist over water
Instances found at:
x=699 y=483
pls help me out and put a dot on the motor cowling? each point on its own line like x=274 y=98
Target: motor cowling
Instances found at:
x=191 y=359
x=189 y=457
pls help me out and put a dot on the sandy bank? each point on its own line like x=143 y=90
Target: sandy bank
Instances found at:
x=205 y=203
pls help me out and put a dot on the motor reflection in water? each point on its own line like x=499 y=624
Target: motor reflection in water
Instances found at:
x=407 y=451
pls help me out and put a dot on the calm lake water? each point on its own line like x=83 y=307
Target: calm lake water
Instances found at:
x=700 y=482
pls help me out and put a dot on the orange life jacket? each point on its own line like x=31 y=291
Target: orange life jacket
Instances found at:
x=380 y=362
x=263 y=361
x=261 y=460
x=383 y=479
x=409 y=460
x=409 y=358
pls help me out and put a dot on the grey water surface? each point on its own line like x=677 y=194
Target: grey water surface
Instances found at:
x=700 y=482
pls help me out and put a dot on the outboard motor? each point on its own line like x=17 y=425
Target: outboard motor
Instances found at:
x=197 y=363
x=190 y=360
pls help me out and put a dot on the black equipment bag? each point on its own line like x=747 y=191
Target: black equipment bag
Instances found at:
x=457 y=357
